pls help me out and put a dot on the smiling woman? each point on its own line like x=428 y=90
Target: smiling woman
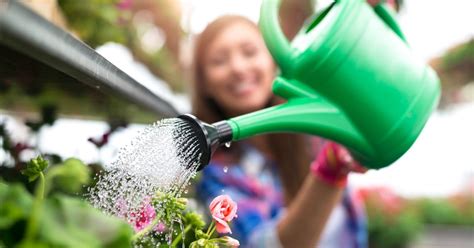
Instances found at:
x=237 y=67
x=281 y=202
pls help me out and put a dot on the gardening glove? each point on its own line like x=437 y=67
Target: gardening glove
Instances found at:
x=334 y=163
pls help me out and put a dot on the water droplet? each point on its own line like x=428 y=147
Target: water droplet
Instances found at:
x=225 y=169
x=161 y=158
x=227 y=144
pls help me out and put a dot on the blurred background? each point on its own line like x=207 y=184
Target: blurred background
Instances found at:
x=425 y=199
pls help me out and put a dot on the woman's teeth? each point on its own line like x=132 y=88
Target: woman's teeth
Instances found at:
x=243 y=87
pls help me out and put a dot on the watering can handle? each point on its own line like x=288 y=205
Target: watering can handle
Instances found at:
x=387 y=15
x=277 y=43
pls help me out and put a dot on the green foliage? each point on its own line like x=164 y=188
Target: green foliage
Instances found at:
x=173 y=207
x=205 y=243
x=185 y=226
x=65 y=221
x=71 y=175
x=462 y=54
x=170 y=212
x=393 y=232
x=16 y=205
x=391 y=221
x=194 y=220
x=396 y=222
x=95 y=21
x=52 y=219
x=445 y=212
x=34 y=168
x=69 y=221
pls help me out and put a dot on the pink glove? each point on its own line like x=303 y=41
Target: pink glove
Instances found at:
x=391 y=3
x=334 y=164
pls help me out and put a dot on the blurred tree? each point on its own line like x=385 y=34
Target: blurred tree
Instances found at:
x=150 y=29
x=95 y=21
x=48 y=9
x=391 y=223
x=456 y=70
x=158 y=35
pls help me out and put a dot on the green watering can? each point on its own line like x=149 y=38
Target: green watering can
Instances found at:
x=348 y=76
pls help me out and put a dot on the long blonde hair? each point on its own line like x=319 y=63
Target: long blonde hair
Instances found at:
x=290 y=151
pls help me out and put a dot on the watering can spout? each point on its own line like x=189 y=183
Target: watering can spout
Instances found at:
x=310 y=115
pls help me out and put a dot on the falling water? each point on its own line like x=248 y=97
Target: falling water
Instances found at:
x=164 y=157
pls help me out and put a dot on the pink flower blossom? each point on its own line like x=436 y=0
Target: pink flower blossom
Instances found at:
x=146 y=215
x=223 y=209
x=125 y=4
x=160 y=227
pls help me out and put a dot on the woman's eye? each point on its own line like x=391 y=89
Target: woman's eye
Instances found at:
x=250 y=52
x=217 y=61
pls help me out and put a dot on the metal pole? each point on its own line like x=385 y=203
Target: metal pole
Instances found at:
x=28 y=33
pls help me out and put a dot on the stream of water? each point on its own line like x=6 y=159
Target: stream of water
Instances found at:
x=162 y=158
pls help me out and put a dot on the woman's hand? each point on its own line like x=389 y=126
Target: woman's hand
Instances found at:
x=334 y=163
x=392 y=3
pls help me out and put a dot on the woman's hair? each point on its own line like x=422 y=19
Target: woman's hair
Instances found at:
x=290 y=151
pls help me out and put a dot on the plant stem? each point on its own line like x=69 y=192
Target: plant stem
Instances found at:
x=32 y=224
x=146 y=229
x=48 y=178
x=210 y=230
x=178 y=238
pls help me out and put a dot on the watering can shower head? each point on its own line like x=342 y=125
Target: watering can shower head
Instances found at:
x=209 y=136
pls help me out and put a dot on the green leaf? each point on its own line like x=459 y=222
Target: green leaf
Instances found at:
x=172 y=206
x=34 y=167
x=200 y=234
x=64 y=221
x=32 y=244
x=71 y=175
x=195 y=220
x=70 y=222
x=15 y=204
x=15 y=208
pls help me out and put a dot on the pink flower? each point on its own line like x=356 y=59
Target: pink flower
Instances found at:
x=125 y=4
x=231 y=242
x=223 y=209
x=160 y=227
x=146 y=215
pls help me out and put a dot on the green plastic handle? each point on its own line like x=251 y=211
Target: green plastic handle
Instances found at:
x=387 y=15
x=277 y=43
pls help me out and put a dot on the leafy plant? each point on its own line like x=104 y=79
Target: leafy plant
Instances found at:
x=65 y=221
x=446 y=211
x=52 y=219
x=391 y=224
x=101 y=24
x=170 y=214
x=398 y=232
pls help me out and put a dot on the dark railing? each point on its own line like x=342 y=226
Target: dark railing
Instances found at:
x=28 y=33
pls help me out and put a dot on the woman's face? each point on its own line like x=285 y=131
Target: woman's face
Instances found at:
x=238 y=70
